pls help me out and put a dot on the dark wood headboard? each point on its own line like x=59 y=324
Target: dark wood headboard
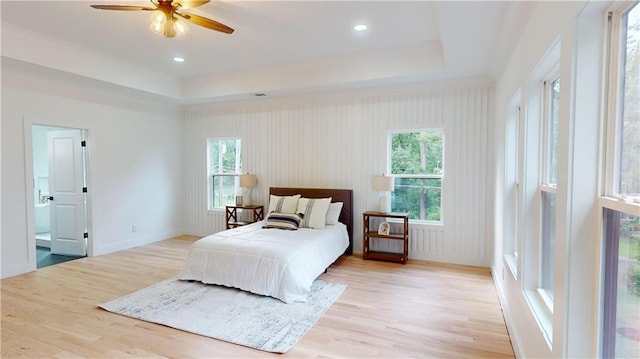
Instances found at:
x=337 y=195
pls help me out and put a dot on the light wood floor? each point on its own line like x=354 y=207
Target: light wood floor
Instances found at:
x=388 y=310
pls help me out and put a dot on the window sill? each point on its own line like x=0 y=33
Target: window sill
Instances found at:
x=426 y=225
x=548 y=302
x=419 y=223
x=540 y=311
x=511 y=262
x=621 y=205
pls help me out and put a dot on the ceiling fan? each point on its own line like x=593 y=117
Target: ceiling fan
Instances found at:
x=165 y=16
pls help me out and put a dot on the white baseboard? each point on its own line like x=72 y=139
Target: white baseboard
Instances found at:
x=12 y=270
x=513 y=335
x=451 y=259
x=135 y=242
x=43 y=243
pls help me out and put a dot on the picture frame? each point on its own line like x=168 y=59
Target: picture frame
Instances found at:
x=384 y=228
x=238 y=200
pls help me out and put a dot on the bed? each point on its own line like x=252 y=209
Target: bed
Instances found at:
x=274 y=262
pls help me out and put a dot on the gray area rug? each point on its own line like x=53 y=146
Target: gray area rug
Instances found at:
x=228 y=314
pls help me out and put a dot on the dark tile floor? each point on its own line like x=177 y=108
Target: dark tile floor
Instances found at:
x=45 y=258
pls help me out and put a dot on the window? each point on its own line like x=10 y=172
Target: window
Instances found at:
x=547 y=244
x=620 y=195
x=622 y=284
x=417 y=165
x=224 y=163
x=628 y=151
x=513 y=142
x=538 y=181
x=552 y=93
x=548 y=184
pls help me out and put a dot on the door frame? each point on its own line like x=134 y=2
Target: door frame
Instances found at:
x=28 y=159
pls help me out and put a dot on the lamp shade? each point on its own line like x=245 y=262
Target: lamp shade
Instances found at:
x=248 y=180
x=382 y=183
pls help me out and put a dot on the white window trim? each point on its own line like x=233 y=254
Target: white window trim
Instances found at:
x=548 y=188
x=611 y=128
x=511 y=249
x=609 y=194
x=552 y=76
x=542 y=314
x=544 y=185
x=620 y=205
x=210 y=207
x=531 y=190
x=419 y=222
x=609 y=197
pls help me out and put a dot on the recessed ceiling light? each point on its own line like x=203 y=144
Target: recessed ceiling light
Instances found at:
x=178 y=59
x=360 y=27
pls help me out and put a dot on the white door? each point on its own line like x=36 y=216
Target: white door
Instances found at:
x=67 y=201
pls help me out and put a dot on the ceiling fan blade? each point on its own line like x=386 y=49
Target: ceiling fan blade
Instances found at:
x=122 y=7
x=188 y=4
x=204 y=22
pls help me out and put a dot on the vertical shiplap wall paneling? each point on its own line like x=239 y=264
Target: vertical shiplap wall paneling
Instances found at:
x=481 y=187
x=455 y=235
x=467 y=228
x=457 y=171
x=472 y=171
x=340 y=142
x=462 y=239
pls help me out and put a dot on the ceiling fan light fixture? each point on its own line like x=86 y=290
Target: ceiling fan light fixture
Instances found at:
x=164 y=21
x=158 y=21
x=179 y=27
x=165 y=24
x=158 y=17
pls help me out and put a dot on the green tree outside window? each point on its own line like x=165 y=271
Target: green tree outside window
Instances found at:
x=417 y=165
x=225 y=167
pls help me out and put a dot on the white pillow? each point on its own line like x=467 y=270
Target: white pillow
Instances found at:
x=333 y=213
x=283 y=204
x=314 y=211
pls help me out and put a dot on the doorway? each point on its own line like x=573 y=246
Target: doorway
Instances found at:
x=59 y=194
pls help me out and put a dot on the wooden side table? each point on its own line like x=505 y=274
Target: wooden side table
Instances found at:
x=232 y=215
x=369 y=233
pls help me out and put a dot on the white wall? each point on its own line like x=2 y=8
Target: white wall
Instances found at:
x=339 y=141
x=135 y=168
x=40 y=160
x=575 y=317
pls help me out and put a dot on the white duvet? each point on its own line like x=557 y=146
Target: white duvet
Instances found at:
x=274 y=262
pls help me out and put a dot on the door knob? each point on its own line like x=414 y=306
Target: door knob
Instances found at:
x=51 y=198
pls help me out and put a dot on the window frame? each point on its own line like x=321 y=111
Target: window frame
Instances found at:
x=551 y=78
x=532 y=162
x=440 y=176
x=609 y=198
x=211 y=176
x=546 y=187
x=514 y=144
x=614 y=106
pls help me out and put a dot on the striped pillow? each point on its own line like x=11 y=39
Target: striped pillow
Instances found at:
x=288 y=221
x=283 y=204
x=313 y=211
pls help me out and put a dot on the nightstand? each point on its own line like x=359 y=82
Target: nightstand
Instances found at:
x=232 y=215
x=369 y=233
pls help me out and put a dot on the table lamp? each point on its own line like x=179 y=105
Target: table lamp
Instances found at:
x=247 y=182
x=384 y=185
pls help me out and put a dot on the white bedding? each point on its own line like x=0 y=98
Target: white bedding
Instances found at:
x=278 y=263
